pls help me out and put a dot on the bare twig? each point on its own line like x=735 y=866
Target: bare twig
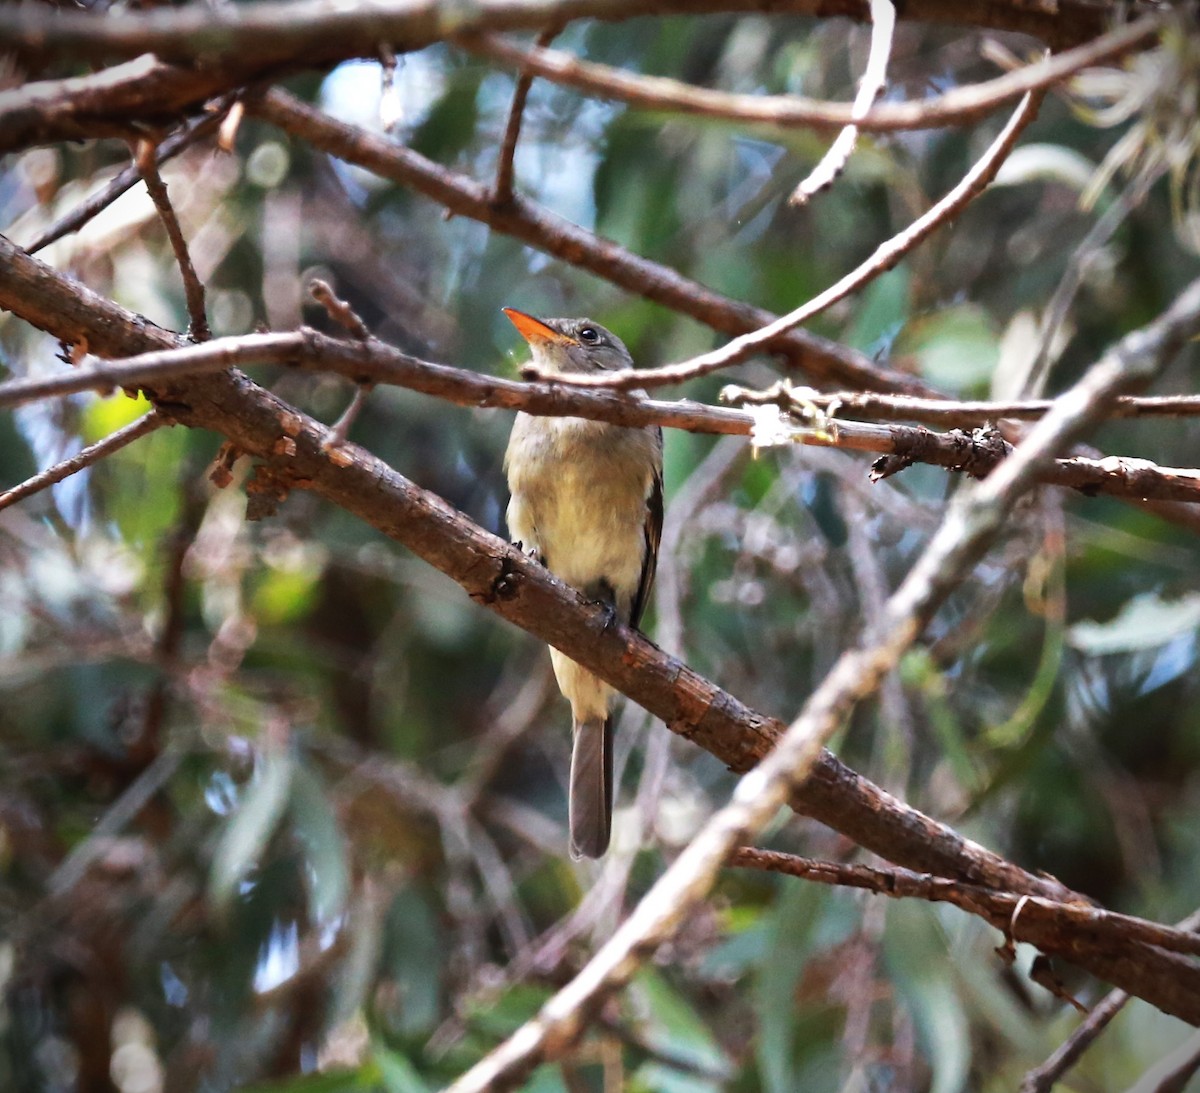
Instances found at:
x=833 y=162
x=93 y=453
x=344 y=315
x=1048 y=924
x=128 y=178
x=957 y=107
x=502 y=189
x=368 y=363
x=193 y=290
x=885 y=256
x=948 y=412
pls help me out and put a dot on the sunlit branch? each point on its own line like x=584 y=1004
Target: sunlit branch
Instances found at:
x=960 y=106
x=973 y=519
x=833 y=162
x=885 y=256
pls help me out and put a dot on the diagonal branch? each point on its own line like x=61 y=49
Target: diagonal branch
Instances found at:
x=883 y=258
x=145 y=155
x=505 y=581
x=93 y=453
x=532 y=224
x=958 y=106
x=973 y=519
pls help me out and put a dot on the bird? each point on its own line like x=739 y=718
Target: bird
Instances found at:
x=586 y=500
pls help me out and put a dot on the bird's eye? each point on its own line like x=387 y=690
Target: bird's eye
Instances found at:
x=588 y=334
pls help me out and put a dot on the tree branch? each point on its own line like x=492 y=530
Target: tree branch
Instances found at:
x=1054 y=927
x=527 y=221
x=960 y=106
x=114 y=442
x=373 y=362
x=883 y=258
x=270 y=31
x=874 y=78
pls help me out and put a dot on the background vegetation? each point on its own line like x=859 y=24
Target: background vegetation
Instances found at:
x=281 y=807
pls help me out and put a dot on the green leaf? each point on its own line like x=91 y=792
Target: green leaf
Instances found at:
x=397 y=1073
x=790 y=935
x=312 y=818
x=667 y=1021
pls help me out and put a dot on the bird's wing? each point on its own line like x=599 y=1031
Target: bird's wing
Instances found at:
x=653 y=534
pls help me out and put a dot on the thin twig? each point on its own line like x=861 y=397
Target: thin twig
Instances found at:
x=193 y=290
x=885 y=256
x=502 y=189
x=93 y=453
x=1037 y=918
x=960 y=106
x=344 y=315
x=368 y=363
x=976 y=515
x=128 y=178
x=833 y=162
x=947 y=412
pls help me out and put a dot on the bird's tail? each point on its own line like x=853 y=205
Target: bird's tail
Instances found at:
x=591 y=795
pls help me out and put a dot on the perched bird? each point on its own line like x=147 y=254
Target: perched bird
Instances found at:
x=587 y=503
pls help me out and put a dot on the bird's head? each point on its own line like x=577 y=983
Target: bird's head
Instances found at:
x=570 y=345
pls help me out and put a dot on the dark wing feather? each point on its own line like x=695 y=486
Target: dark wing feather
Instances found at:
x=653 y=533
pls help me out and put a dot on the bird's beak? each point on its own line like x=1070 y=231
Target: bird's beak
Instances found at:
x=534 y=331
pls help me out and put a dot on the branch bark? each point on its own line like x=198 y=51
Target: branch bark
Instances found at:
x=271 y=31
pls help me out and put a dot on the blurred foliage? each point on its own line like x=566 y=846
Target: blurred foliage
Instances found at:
x=281 y=810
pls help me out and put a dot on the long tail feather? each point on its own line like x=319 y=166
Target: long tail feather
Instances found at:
x=591 y=794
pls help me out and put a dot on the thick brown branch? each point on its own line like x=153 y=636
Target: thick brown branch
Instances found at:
x=117 y=102
x=276 y=30
x=510 y=584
